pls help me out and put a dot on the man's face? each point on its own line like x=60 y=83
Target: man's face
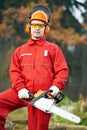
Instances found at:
x=37 y=29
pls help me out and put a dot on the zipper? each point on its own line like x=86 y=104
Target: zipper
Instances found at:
x=34 y=68
x=34 y=57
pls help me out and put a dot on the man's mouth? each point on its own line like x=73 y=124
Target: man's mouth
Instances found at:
x=36 y=32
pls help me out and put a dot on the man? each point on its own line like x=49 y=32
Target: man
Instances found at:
x=37 y=64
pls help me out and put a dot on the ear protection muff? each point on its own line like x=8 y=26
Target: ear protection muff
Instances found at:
x=27 y=28
x=47 y=29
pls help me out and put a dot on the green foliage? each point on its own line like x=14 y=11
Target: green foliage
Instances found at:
x=4 y=4
x=66 y=101
x=20 y=113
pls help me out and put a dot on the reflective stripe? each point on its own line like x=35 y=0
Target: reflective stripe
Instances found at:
x=25 y=54
x=36 y=64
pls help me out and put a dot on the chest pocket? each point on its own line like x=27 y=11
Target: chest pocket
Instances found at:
x=43 y=58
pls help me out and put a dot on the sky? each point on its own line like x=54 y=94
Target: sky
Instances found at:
x=77 y=12
x=81 y=1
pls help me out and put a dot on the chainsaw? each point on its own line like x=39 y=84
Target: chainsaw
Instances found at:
x=47 y=103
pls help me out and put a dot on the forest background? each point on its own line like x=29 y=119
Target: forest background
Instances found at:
x=67 y=30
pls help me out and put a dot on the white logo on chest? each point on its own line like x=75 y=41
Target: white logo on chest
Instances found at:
x=45 y=52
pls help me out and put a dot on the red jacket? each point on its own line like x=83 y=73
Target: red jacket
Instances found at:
x=38 y=65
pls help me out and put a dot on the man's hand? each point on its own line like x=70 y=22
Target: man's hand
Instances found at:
x=55 y=90
x=23 y=93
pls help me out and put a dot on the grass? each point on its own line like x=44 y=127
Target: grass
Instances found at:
x=18 y=114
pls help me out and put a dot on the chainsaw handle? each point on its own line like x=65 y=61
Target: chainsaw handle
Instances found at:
x=59 y=97
x=44 y=94
x=31 y=95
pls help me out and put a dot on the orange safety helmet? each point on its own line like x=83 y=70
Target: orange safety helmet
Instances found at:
x=41 y=13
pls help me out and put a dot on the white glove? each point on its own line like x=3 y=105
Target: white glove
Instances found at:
x=55 y=90
x=23 y=93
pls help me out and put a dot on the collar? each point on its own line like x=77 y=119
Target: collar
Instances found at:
x=38 y=42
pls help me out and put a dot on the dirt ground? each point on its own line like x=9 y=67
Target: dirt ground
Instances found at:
x=23 y=126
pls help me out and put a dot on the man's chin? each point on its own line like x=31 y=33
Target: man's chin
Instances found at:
x=36 y=38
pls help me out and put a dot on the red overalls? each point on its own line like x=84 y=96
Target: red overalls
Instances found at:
x=34 y=65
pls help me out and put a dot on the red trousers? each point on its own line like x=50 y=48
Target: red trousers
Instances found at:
x=9 y=101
